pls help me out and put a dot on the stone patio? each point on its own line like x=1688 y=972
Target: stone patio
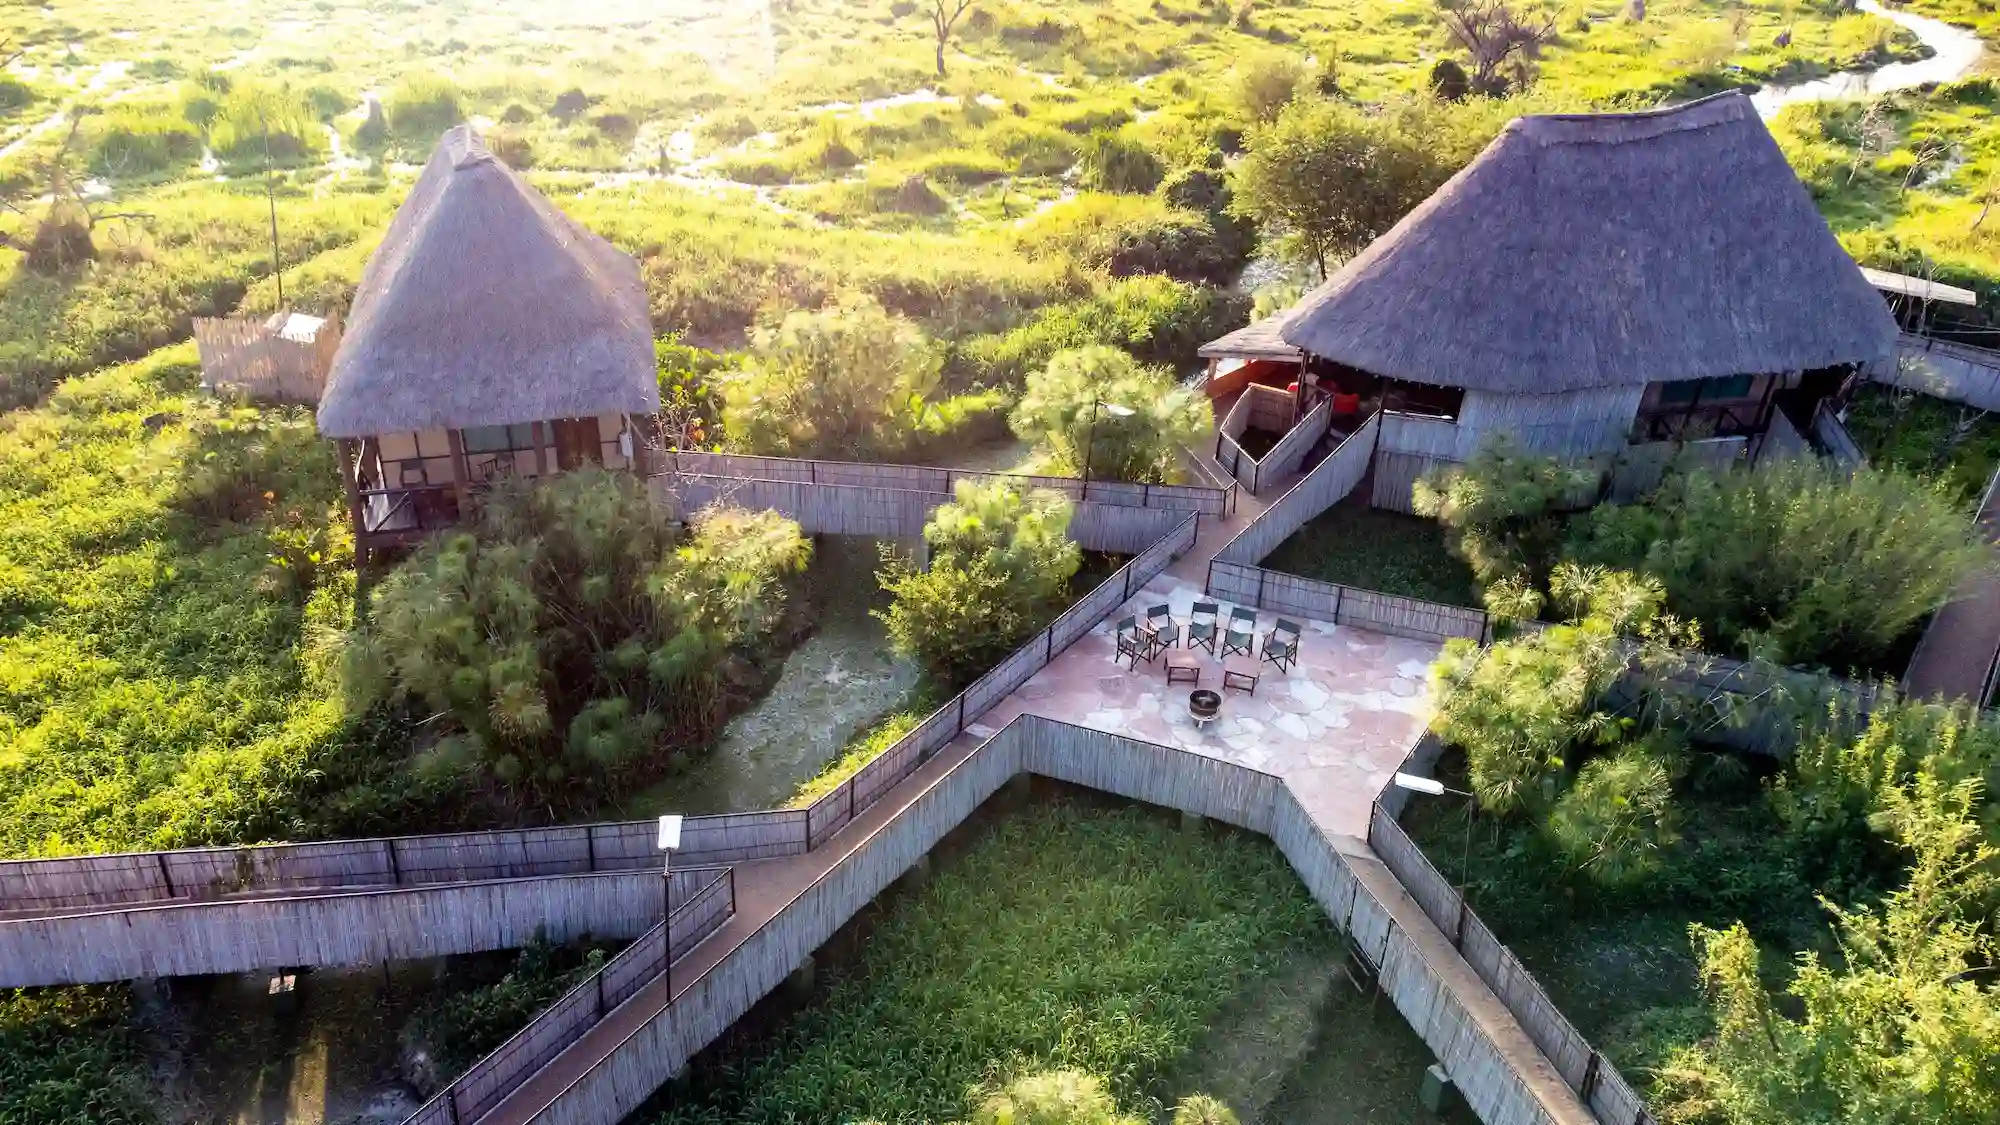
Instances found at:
x=1334 y=727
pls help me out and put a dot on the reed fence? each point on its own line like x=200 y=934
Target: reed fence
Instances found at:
x=1592 y=1077
x=1205 y=500
x=1329 y=483
x=700 y=912
x=1943 y=369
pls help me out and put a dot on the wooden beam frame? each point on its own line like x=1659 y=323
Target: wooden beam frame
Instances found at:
x=461 y=471
x=350 y=482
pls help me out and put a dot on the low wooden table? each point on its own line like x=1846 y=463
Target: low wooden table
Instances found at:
x=1183 y=666
x=1241 y=674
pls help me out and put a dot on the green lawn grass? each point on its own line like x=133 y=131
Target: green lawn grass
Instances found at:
x=1074 y=933
x=1370 y=549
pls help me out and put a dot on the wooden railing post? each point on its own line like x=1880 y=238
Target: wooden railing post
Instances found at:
x=451 y=1101
x=395 y=864
x=166 y=875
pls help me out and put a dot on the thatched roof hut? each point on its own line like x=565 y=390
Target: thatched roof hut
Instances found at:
x=487 y=306
x=1604 y=250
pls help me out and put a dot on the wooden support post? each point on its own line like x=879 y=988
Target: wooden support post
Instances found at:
x=541 y=440
x=166 y=875
x=461 y=472
x=350 y=474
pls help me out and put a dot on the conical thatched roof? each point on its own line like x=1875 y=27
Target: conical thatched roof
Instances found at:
x=484 y=306
x=1601 y=250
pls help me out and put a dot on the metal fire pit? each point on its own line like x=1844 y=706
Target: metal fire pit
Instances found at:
x=1203 y=706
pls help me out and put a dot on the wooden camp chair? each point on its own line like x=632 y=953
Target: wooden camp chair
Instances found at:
x=1135 y=642
x=1281 y=648
x=1160 y=620
x=1241 y=636
x=1201 y=628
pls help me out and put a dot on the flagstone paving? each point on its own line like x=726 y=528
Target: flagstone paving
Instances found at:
x=1334 y=727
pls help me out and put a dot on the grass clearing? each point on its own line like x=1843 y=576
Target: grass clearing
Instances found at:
x=1370 y=549
x=1068 y=933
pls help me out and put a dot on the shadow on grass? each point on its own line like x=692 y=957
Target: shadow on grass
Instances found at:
x=1355 y=545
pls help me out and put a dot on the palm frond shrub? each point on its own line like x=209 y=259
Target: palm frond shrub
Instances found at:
x=1060 y=410
x=573 y=630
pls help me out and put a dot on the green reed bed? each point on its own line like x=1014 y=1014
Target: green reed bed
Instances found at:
x=1067 y=935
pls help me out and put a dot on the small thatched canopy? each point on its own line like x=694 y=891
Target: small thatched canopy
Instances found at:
x=1598 y=250
x=487 y=306
x=1256 y=340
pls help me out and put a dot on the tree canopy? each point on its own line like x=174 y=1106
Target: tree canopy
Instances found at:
x=1138 y=432
x=1329 y=178
x=1000 y=566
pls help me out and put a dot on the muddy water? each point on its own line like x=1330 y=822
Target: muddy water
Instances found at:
x=1955 y=51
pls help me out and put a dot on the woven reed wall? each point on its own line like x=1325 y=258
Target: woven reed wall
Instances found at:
x=239 y=356
x=702 y=901
x=1593 y=1078
x=646 y=1060
x=97 y=881
x=690 y=466
x=1942 y=369
x=344 y=928
x=1285 y=457
x=1329 y=483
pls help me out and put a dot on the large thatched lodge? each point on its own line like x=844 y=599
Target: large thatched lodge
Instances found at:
x=491 y=334
x=1590 y=283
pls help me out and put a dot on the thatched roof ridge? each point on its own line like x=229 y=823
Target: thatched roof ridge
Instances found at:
x=485 y=306
x=1596 y=250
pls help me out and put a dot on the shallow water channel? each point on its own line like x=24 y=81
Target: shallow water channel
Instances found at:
x=1956 y=50
x=834 y=686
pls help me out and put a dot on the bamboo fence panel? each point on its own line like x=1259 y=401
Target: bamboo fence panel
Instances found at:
x=1396 y=477
x=1298 y=441
x=1568 y=1052
x=726 y=471
x=1782 y=440
x=1943 y=369
x=1121 y=530
x=1410 y=617
x=623 y=1079
x=1439 y=438
x=242 y=355
x=341 y=928
x=1329 y=482
x=618 y=1081
x=1343 y=605
x=103 y=881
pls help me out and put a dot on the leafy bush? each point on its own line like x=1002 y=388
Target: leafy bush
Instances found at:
x=1137 y=438
x=422 y=107
x=1613 y=822
x=1056 y=1097
x=1266 y=83
x=1863 y=1036
x=1126 y=236
x=253 y=117
x=1500 y=514
x=1157 y=319
x=999 y=568
x=1799 y=562
x=565 y=634
x=846 y=382
x=15 y=94
x=1523 y=708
